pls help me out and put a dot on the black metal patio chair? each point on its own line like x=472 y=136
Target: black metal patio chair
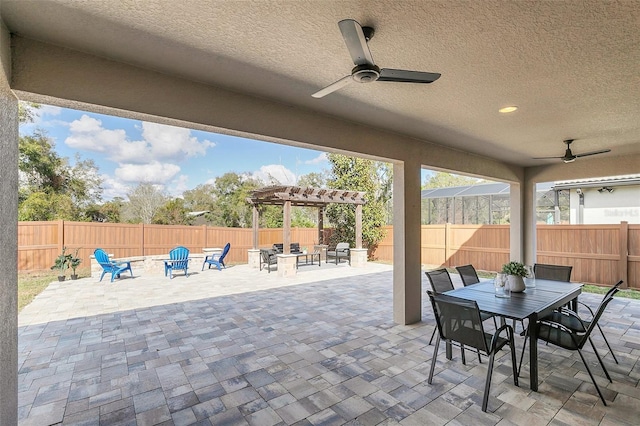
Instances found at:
x=459 y=320
x=468 y=274
x=556 y=333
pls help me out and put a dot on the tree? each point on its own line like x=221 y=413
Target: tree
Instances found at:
x=144 y=202
x=50 y=187
x=200 y=198
x=26 y=111
x=231 y=208
x=173 y=212
x=358 y=174
x=446 y=180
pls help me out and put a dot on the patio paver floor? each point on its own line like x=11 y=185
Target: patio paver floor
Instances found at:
x=244 y=347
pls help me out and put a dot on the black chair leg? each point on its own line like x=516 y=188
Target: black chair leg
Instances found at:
x=433 y=335
x=487 y=384
x=524 y=346
x=512 y=345
x=584 y=361
x=433 y=360
x=606 y=373
x=607 y=343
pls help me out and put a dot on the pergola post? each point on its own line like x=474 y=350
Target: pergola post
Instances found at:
x=286 y=228
x=254 y=252
x=320 y=225
x=359 y=226
x=256 y=221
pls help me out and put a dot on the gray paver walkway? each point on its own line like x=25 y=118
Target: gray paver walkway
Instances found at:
x=244 y=347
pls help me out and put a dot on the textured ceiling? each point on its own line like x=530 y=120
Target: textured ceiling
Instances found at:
x=572 y=67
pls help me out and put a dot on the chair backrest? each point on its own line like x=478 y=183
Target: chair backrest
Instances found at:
x=552 y=272
x=278 y=247
x=294 y=248
x=468 y=274
x=102 y=257
x=459 y=320
x=613 y=290
x=225 y=250
x=268 y=256
x=596 y=317
x=342 y=246
x=440 y=280
x=179 y=253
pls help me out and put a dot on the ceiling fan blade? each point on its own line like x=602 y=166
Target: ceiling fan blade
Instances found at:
x=546 y=158
x=405 y=76
x=356 y=42
x=586 y=154
x=333 y=87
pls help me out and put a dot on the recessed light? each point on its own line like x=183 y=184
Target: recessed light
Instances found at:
x=508 y=109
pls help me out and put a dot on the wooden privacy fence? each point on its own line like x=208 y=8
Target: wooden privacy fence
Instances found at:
x=39 y=243
x=601 y=254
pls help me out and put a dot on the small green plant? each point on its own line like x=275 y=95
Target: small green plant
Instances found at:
x=514 y=268
x=62 y=262
x=74 y=262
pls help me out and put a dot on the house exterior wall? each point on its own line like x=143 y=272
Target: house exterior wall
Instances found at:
x=623 y=204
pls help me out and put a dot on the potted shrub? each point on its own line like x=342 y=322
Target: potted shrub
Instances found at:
x=62 y=264
x=74 y=262
x=515 y=272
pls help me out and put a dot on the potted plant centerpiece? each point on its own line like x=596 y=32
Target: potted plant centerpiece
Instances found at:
x=74 y=262
x=515 y=272
x=62 y=264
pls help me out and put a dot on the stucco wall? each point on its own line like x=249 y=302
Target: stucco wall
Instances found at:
x=8 y=241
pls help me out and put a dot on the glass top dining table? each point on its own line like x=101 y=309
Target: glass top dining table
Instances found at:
x=532 y=304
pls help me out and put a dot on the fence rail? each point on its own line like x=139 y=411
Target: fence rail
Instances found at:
x=601 y=254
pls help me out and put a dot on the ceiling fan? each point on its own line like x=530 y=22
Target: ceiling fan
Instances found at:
x=569 y=156
x=365 y=70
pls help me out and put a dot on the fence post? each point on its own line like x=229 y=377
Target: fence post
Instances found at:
x=142 y=239
x=447 y=243
x=624 y=253
x=60 y=235
x=204 y=231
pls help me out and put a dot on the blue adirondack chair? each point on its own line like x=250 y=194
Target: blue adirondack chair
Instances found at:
x=179 y=260
x=111 y=266
x=217 y=259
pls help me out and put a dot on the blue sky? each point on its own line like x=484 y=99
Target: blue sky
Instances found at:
x=175 y=159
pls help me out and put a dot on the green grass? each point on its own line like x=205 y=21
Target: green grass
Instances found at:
x=30 y=284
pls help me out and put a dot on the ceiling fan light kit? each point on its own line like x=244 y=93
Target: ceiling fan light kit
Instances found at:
x=356 y=38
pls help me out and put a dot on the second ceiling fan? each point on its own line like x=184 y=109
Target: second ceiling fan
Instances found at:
x=365 y=70
x=569 y=156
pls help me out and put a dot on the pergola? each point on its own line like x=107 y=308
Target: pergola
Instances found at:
x=288 y=196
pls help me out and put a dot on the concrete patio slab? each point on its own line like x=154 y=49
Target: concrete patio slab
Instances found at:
x=242 y=346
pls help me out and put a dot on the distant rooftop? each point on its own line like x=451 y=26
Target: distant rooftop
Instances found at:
x=501 y=188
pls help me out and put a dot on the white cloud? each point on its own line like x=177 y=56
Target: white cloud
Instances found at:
x=275 y=174
x=112 y=188
x=156 y=172
x=322 y=158
x=179 y=185
x=160 y=142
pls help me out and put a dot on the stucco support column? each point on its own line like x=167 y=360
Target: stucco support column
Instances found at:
x=529 y=222
x=517 y=222
x=407 y=269
x=8 y=239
